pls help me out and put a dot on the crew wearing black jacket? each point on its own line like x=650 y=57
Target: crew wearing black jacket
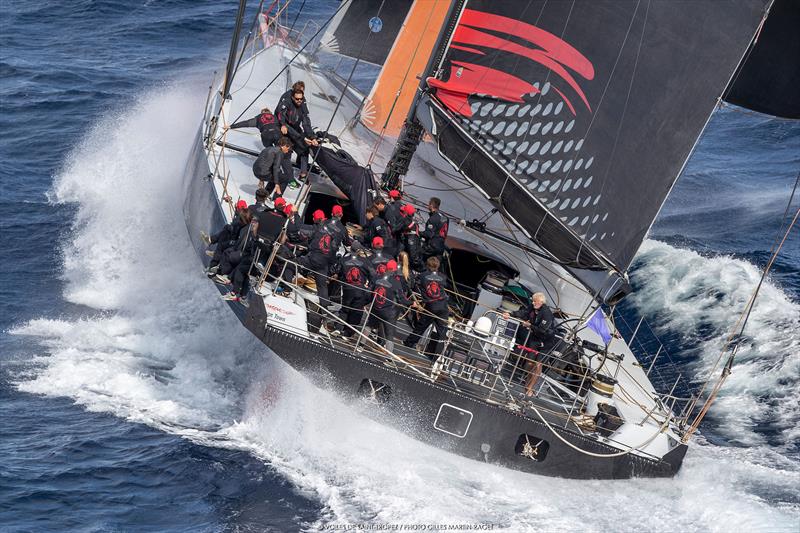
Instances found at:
x=269 y=168
x=431 y=285
x=227 y=236
x=379 y=257
x=357 y=279
x=410 y=241
x=435 y=231
x=267 y=125
x=296 y=124
x=318 y=258
x=377 y=227
x=388 y=296
x=539 y=322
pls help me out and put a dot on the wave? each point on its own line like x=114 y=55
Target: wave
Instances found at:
x=154 y=344
x=700 y=298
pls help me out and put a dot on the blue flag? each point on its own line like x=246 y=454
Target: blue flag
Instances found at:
x=598 y=324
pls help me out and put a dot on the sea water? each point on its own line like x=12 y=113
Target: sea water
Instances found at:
x=132 y=399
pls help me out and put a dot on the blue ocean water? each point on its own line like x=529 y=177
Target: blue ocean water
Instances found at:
x=131 y=400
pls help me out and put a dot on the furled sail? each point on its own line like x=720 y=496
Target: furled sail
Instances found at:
x=768 y=80
x=380 y=20
x=575 y=118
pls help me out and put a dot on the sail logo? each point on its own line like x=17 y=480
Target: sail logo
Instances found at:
x=467 y=78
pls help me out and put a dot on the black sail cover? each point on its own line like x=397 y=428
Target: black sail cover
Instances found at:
x=575 y=117
x=378 y=20
x=352 y=179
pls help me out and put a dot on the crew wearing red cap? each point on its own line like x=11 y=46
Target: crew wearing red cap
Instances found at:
x=280 y=203
x=409 y=241
x=338 y=230
x=318 y=258
x=394 y=219
x=389 y=295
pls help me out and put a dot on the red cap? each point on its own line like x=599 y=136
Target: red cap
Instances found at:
x=391 y=265
x=241 y=204
x=337 y=211
x=377 y=242
x=408 y=209
x=381 y=269
x=319 y=215
x=287 y=210
x=394 y=193
x=279 y=202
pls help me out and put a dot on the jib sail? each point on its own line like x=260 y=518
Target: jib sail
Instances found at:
x=378 y=20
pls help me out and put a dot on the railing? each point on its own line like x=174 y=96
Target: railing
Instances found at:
x=674 y=391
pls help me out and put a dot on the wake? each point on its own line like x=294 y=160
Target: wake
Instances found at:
x=156 y=345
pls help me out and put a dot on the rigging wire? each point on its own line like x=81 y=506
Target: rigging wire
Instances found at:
x=295 y=56
x=353 y=70
x=733 y=340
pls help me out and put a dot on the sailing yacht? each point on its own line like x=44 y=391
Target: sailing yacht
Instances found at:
x=552 y=133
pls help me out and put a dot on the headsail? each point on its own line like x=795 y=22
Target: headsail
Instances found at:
x=575 y=118
x=768 y=80
x=348 y=31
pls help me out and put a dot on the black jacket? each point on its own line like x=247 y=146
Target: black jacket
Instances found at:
x=296 y=120
x=378 y=258
x=377 y=227
x=542 y=328
x=267 y=125
x=267 y=166
x=431 y=286
x=435 y=232
x=356 y=271
x=338 y=230
x=388 y=292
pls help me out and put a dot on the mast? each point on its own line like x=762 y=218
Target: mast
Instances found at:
x=411 y=135
x=231 y=67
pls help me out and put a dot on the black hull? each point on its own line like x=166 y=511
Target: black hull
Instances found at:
x=414 y=404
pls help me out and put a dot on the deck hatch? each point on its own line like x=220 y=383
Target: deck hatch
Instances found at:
x=453 y=420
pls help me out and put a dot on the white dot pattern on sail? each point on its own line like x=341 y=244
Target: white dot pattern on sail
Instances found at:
x=534 y=148
x=547 y=109
x=510 y=129
x=555 y=186
x=557 y=128
x=546 y=128
x=523 y=111
x=498 y=127
x=556 y=166
x=546 y=88
x=569 y=126
x=545 y=148
x=498 y=110
x=567 y=165
x=557 y=147
x=512 y=110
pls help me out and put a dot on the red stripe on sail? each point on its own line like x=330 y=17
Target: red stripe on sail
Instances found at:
x=466 y=78
x=471 y=36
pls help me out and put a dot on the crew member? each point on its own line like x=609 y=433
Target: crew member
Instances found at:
x=431 y=286
x=435 y=231
x=379 y=256
x=375 y=227
x=388 y=296
x=337 y=228
x=356 y=277
x=317 y=261
x=267 y=125
x=409 y=238
x=296 y=124
x=226 y=237
x=268 y=168
x=261 y=202
x=540 y=324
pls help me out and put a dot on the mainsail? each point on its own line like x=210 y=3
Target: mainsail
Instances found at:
x=380 y=20
x=576 y=118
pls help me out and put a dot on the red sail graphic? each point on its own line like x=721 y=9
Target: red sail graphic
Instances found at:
x=547 y=50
